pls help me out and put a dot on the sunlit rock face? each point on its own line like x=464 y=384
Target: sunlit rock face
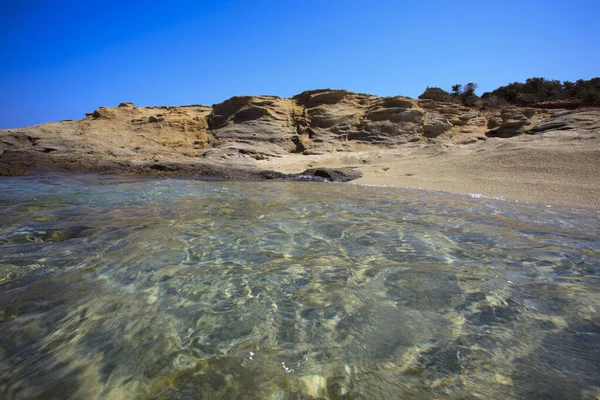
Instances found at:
x=243 y=129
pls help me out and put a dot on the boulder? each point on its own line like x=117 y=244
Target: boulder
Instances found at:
x=327 y=175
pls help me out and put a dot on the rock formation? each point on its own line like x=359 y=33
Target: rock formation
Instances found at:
x=246 y=128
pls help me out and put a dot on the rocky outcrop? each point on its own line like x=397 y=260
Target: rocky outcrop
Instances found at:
x=455 y=114
x=227 y=171
x=435 y=124
x=582 y=120
x=532 y=121
x=494 y=122
x=337 y=115
x=517 y=121
x=253 y=126
x=391 y=121
x=327 y=117
x=247 y=128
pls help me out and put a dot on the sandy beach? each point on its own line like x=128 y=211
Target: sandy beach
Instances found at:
x=559 y=169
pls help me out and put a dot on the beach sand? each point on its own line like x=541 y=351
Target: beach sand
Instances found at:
x=559 y=169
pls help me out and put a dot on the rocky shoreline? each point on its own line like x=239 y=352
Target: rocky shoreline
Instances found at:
x=332 y=135
x=22 y=163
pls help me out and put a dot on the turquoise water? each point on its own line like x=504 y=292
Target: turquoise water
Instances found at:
x=131 y=288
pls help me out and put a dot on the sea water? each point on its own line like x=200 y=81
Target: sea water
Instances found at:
x=146 y=288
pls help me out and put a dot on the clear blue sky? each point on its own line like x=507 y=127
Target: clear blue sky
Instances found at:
x=60 y=59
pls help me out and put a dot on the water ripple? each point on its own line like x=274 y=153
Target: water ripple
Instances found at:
x=172 y=288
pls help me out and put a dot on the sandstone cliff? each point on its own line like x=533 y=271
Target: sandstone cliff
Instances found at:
x=248 y=128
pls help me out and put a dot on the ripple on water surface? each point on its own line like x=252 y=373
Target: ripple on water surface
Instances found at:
x=172 y=288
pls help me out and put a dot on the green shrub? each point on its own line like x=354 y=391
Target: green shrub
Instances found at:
x=536 y=90
x=532 y=92
x=437 y=94
x=464 y=94
x=493 y=102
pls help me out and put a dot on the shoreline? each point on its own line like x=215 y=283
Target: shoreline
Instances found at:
x=519 y=170
x=560 y=168
x=309 y=179
x=480 y=196
x=561 y=172
x=561 y=194
x=537 y=155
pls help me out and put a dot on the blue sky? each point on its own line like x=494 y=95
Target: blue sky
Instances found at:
x=61 y=59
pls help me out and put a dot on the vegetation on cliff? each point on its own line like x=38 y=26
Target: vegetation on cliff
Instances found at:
x=534 y=92
x=539 y=90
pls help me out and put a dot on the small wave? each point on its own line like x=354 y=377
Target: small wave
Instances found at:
x=374 y=185
x=481 y=196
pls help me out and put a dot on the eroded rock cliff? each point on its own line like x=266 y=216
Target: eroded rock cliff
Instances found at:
x=247 y=128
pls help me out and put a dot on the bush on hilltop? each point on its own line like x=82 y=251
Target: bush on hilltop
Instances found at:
x=464 y=94
x=534 y=92
x=437 y=94
x=540 y=90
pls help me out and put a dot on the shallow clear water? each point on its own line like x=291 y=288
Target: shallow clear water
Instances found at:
x=121 y=288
